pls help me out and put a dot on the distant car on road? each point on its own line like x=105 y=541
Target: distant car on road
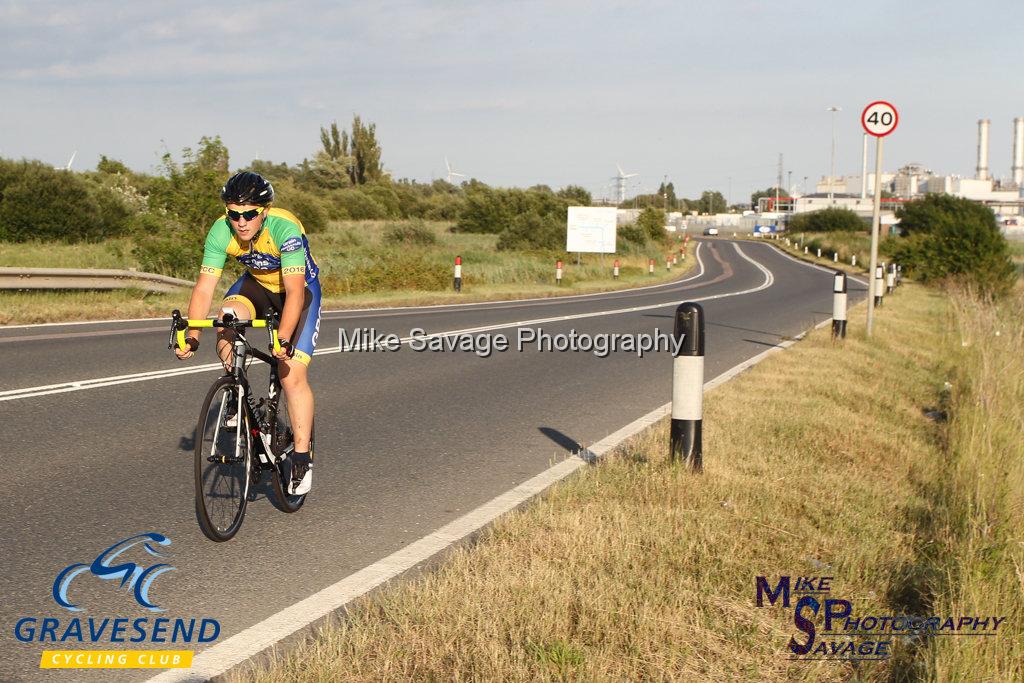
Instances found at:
x=711 y=231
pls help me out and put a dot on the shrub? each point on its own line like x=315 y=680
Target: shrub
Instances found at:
x=632 y=234
x=827 y=220
x=409 y=233
x=305 y=205
x=652 y=222
x=357 y=205
x=950 y=236
x=39 y=202
x=163 y=245
x=533 y=231
x=404 y=269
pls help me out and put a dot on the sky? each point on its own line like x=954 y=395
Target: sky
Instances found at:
x=517 y=93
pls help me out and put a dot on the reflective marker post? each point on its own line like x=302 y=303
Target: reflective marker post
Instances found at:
x=879 y=285
x=650 y=267
x=615 y=270
x=688 y=386
x=890 y=279
x=458 y=273
x=558 y=272
x=839 y=306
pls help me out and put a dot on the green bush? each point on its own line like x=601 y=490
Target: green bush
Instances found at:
x=827 y=220
x=39 y=202
x=946 y=236
x=652 y=222
x=632 y=235
x=305 y=205
x=410 y=233
x=531 y=231
x=163 y=245
x=357 y=205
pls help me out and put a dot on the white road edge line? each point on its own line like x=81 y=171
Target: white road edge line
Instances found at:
x=82 y=385
x=242 y=646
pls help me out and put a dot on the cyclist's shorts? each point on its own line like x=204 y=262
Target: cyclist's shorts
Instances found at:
x=248 y=296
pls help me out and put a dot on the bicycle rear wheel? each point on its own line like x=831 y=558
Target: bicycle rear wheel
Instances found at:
x=223 y=459
x=284 y=445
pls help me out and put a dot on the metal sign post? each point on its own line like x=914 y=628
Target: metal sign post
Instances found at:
x=878 y=119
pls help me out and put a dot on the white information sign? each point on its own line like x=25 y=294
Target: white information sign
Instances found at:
x=591 y=229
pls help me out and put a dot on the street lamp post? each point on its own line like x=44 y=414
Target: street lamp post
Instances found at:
x=832 y=176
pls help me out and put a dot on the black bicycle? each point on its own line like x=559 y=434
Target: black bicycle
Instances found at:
x=238 y=438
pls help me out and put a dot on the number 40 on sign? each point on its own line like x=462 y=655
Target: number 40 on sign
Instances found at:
x=879 y=119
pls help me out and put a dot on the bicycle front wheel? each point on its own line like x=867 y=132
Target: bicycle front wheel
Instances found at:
x=223 y=459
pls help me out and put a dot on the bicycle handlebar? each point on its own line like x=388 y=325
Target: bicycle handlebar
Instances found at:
x=179 y=326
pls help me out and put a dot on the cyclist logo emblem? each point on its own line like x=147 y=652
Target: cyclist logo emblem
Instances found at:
x=138 y=578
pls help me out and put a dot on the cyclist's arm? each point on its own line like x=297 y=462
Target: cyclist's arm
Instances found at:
x=294 y=294
x=202 y=297
x=214 y=256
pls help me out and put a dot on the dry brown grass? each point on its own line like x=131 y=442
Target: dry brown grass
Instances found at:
x=818 y=461
x=980 y=543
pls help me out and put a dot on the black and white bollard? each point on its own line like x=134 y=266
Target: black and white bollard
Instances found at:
x=819 y=252
x=615 y=269
x=558 y=272
x=899 y=275
x=688 y=386
x=853 y=260
x=650 y=267
x=839 y=306
x=890 y=279
x=879 y=285
x=458 y=273
x=835 y=257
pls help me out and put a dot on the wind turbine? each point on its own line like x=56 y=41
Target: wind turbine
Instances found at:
x=70 y=161
x=620 y=182
x=452 y=173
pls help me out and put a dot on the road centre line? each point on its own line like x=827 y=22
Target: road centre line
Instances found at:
x=81 y=385
x=250 y=642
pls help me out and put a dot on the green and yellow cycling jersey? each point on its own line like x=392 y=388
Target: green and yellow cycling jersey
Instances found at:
x=280 y=249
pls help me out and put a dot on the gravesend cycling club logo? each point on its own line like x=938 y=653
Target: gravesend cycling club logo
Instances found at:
x=138 y=578
x=830 y=629
x=130 y=566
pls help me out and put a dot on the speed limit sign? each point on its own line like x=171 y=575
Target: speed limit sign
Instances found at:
x=879 y=119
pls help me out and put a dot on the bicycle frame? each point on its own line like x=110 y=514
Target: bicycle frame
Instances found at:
x=261 y=426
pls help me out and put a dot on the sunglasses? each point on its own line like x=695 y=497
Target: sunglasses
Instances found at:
x=247 y=215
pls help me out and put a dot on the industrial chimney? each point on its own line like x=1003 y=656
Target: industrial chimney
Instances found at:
x=982 y=170
x=1018 y=150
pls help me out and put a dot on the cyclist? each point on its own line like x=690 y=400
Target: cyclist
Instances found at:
x=281 y=275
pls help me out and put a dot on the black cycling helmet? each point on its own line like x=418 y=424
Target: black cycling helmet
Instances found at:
x=247 y=188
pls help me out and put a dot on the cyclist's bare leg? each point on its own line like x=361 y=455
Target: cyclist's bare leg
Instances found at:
x=295 y=380
x=225 y=338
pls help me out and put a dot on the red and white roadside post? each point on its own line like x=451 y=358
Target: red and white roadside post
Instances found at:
x=668 y=263
x=688 y=387
x=878 y=119
x=615 y=269
x=650 y=267
x=853 y=260
x=558 y=272
x=458 y=273
x=682 y=254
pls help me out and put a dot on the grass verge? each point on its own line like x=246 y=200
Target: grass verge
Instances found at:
x=362 y=265
x=823 y=460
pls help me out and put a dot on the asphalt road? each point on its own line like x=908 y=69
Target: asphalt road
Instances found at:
x=406 y=441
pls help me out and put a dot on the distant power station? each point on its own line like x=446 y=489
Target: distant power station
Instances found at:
x=1017 y=151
